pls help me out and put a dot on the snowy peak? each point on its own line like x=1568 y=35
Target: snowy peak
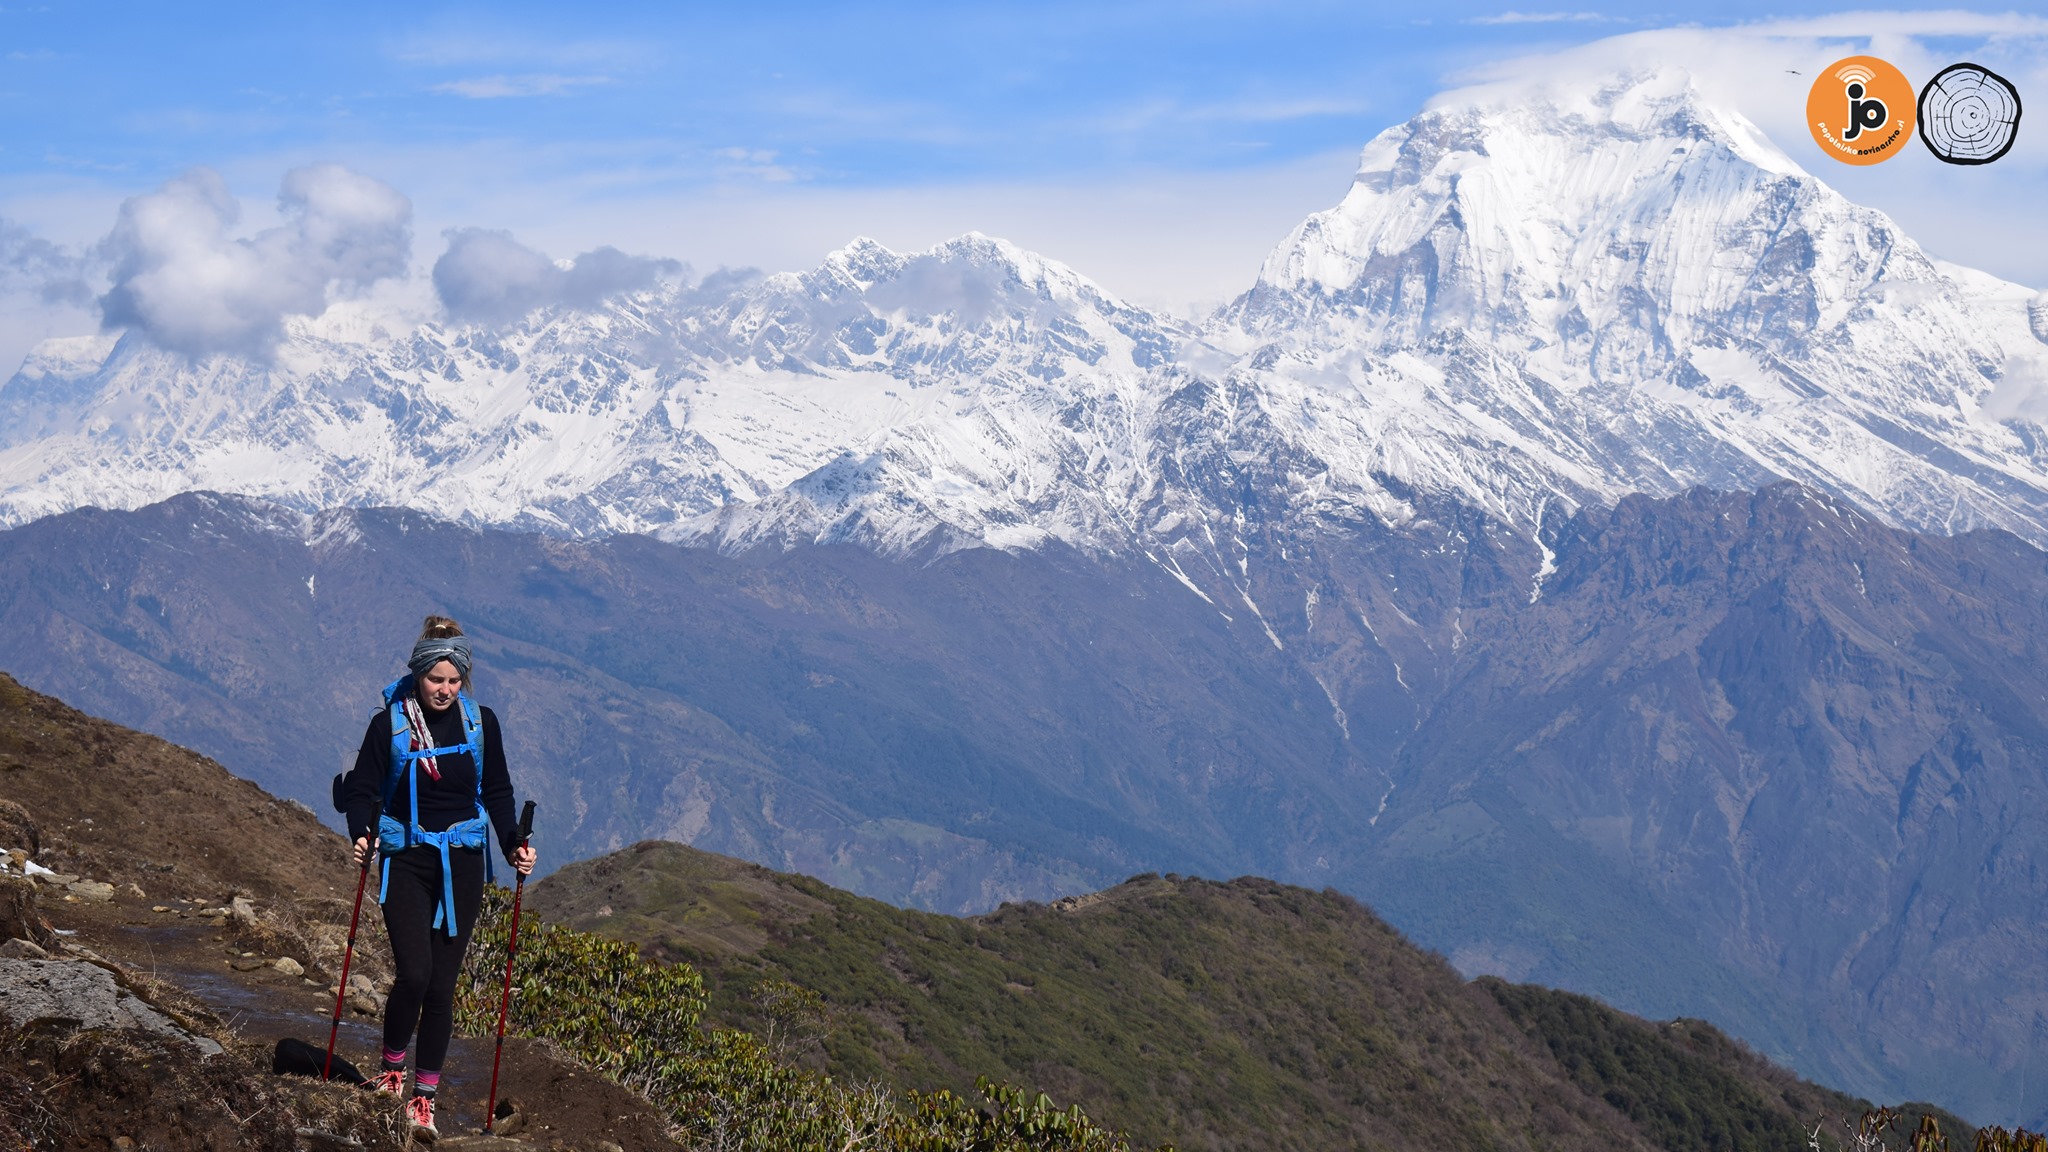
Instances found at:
x=1026 y=394
x=1614 y=286
x=972 y=305
x=992 y=264
x=1631 y=205
x=54 y=382
x=1527 y=300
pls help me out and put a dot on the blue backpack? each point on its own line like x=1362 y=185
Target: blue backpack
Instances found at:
x=394 y=836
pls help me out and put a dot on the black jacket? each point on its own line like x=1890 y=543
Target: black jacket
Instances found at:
x=444 y=802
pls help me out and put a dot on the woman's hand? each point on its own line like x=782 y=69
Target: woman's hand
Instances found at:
x=523 y=858
x=364 y=846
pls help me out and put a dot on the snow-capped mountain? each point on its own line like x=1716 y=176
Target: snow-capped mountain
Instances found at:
x=655 y=409
x=1527 y=301
x=1621 y=288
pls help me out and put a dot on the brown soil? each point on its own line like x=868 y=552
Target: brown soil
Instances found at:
x=114 y=805
x=89 y=1089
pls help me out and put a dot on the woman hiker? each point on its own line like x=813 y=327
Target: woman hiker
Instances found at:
x=419 y=795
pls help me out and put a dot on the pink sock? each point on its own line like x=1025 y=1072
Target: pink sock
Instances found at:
x=425 y=1082
x=394 y=1059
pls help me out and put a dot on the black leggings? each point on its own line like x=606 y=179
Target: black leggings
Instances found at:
x=427 y=958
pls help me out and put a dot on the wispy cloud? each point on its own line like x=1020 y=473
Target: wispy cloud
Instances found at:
x=52 y=272
x=509 y=87
x=1542 y=18
x=459 y=46
x=753 y=163
x=1150 y=115
x=1861 y=25
x=1275 y=111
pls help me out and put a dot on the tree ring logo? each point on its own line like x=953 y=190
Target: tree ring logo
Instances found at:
x=1969 y=114
x=1861 y=110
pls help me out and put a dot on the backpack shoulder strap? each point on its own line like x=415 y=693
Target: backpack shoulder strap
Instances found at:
x=473 y=735
x=401 y=735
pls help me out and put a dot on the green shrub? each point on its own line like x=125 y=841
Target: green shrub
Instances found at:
x=636 y=1022
x=1020 y=1122
x=625 y=1018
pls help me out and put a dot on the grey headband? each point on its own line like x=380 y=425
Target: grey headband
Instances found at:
x=431 y=650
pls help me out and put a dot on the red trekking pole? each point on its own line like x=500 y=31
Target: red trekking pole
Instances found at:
x=511 y=954
x=349 y=954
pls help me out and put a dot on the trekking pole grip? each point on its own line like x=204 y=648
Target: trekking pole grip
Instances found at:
x=526 y=824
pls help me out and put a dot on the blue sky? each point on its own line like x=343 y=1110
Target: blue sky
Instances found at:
x=1161 y=148
x=874 y=95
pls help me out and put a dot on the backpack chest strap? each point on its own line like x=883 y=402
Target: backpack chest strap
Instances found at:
x=450 y=750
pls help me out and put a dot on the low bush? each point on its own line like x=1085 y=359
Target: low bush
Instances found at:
x=637 y=1023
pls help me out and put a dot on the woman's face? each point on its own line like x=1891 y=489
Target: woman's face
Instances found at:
x=438 y=688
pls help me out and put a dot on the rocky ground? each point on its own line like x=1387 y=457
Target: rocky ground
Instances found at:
x=163 y=925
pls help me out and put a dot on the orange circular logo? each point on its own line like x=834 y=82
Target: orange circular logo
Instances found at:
x=1861 y=110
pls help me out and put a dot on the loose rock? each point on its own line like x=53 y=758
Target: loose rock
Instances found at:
x=289 y=966
x=243 y=910
x=93 y=891
x=82 y=996
x=19 y=949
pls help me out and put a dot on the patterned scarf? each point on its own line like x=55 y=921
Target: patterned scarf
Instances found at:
x=416 y=720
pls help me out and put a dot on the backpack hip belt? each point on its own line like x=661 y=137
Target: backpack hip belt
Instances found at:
x=472 y=833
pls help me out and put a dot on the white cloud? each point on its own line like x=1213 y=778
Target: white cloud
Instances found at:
x=184 y=281
x=1866 y=25
x=464 y=42
x=488 y=276
x=752 y=163
x=1540 y=18
x=505 y=87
